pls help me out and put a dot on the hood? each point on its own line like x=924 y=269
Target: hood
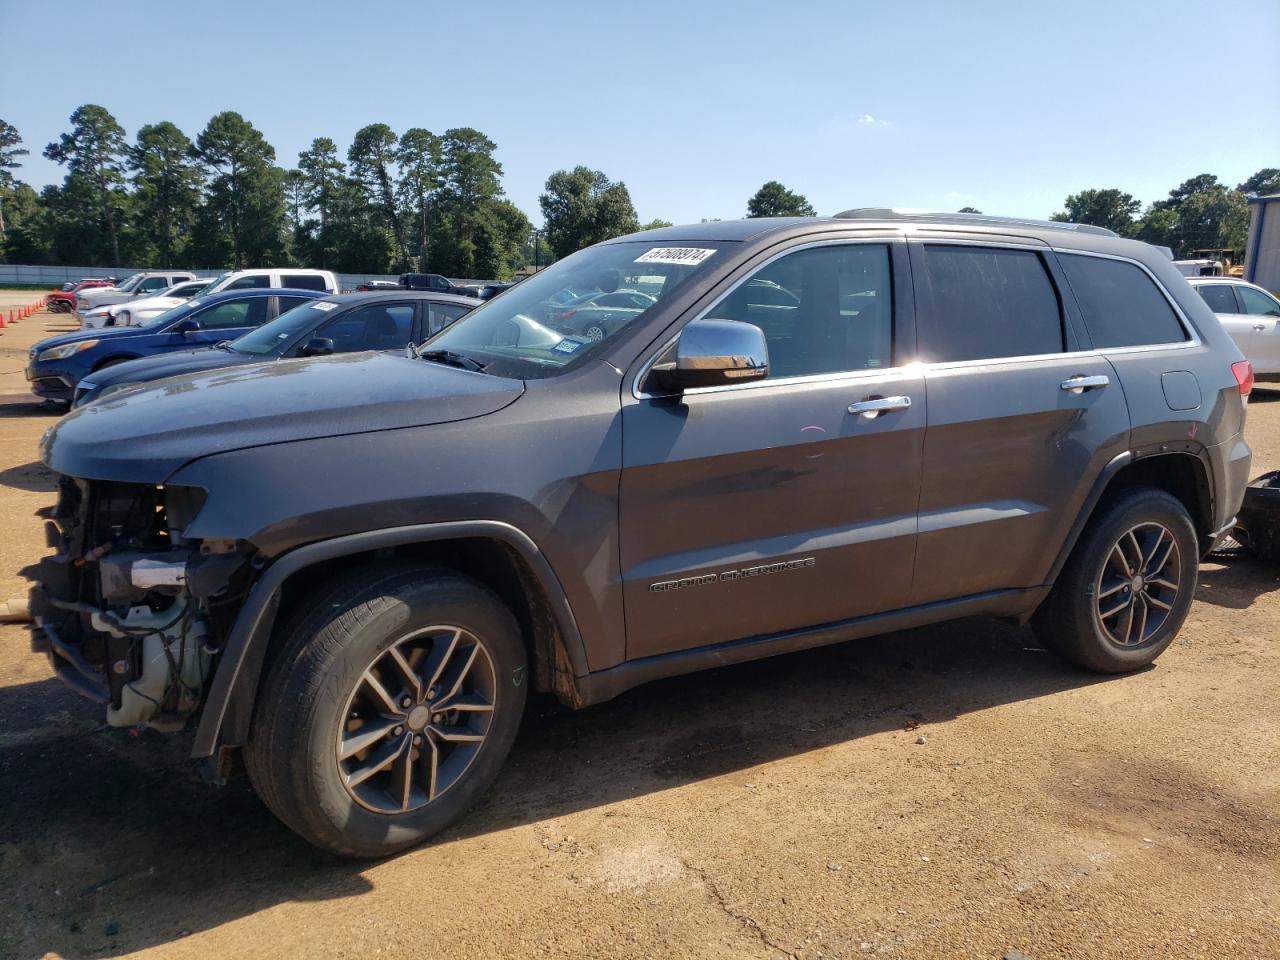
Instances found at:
x=150 y=369
x=146 y=434
x=92 y=333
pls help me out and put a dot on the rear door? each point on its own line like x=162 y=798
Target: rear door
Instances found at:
x=1222 y=300
x=758 y=508
x=1021 y=412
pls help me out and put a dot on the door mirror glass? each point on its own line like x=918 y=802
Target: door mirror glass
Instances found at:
x=318 y=347
x=711 y=353
x=187 y=325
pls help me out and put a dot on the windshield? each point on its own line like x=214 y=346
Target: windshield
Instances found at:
x=275 y=336
x=561 y=316
x=208 y=287
x=131 y=282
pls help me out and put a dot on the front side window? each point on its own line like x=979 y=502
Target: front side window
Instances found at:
x=827 y=309
x=152 y=284
x=1122 y=305
x=1258 y=303
x=984 y=303
x=532 y=331
x=233 y=313
x=1219 y=296
x=255 y=281
x=379 y=326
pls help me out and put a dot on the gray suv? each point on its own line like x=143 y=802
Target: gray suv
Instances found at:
x=353 y=569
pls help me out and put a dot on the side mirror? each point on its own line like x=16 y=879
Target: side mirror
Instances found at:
x=187 y=325
x=318 y=347
x=711 y=353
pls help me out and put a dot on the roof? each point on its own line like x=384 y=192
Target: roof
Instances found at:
x=256 y=292
x=1195 y=281
x=898 y=215
x=435 y=296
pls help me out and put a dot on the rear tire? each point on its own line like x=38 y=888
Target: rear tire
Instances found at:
x=1126 y=589
x=344 y=675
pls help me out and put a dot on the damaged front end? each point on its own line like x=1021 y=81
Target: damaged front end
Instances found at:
x=131 y=613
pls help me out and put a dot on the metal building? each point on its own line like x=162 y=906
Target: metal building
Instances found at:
x=1262 y=256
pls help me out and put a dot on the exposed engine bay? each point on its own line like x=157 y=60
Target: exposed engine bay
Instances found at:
x=132 y=614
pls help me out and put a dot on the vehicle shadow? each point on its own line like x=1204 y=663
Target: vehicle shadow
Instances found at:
x=33 y=476
x=141 y=851
x=1237 y=583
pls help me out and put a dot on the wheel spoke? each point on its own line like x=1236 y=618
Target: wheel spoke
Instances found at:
x=455 y=677
x=1140 y=611
x=1115 y=588
x=430 y=759
x=468 y=702
x=1156 y=601
x=455 y=733
x=402 y=774
x=375 y=764
x=1124 y=603
x=365 y=737
x=439 y=658
x=374 y=686
x=1136 y=565
x=410 y=675
x=1127 y=621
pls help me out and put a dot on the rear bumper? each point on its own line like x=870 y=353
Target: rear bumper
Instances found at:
x=1230 y=462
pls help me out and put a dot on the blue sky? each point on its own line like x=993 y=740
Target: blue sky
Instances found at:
x=1006 y=106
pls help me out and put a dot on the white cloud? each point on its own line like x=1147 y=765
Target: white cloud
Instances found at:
x=871 y=120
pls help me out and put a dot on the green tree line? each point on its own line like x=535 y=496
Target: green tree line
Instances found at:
x=416 y=200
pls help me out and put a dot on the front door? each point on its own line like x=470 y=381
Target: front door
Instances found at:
x=756 y=509
x=1019 y=412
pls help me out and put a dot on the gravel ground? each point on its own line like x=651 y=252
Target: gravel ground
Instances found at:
x=946 y=792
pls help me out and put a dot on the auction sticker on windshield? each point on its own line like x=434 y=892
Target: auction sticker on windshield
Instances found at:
x=690 y=256
x=325 y=305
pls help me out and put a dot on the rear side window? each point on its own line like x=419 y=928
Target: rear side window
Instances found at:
x=987 y=302
x=253 y=282
x=303 y=281
x=1219 y=297
x=1122 y=305
x=288 y=303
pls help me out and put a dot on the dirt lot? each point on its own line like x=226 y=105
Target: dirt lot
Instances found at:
x=783 y=808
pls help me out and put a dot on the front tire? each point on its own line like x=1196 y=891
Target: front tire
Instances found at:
x=389 y=709
x=1126 y=589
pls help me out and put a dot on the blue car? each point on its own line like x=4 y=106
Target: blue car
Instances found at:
x=57 y=364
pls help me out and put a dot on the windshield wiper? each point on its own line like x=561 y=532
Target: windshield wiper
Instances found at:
x=223 y=345
x=452 y=359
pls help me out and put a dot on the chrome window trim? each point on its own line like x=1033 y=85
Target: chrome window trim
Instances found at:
x=886 y=239
x=1193 y=337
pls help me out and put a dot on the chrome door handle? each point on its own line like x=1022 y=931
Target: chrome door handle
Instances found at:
x=1079 y=385
x=870 y=409
x=1259 y=327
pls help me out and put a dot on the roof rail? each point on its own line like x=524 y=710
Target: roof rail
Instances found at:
x=972 y=219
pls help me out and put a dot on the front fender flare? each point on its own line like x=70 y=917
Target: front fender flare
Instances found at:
x=243 y=653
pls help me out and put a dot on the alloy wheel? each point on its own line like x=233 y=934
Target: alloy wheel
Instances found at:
x=1138 y=584
x=416 y=719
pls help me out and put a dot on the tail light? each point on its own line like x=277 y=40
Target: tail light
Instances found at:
x=1243 y=372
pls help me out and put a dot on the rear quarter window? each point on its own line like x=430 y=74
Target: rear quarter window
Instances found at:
x=1121 y=304
x=303 y=281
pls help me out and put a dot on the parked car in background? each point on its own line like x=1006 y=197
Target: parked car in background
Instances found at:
x=292 y=278
x=57 y=364
x=346 y=323
x=488 y=291
x=1250 y=315
x=371 y=285
x=597 y=315
x=354 y=569
x=64 y=300
x=145 y=284
x=434 y=281
x=137 y=311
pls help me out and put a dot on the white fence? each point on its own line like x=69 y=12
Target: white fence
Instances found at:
x=16 y=274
